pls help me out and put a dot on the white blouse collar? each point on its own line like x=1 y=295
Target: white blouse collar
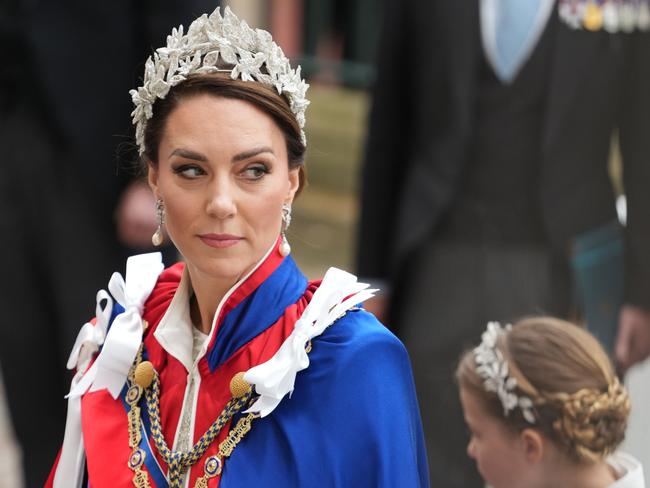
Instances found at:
x=629 y=469
x=174 y=332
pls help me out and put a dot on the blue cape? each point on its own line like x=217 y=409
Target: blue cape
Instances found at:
x=352 y=421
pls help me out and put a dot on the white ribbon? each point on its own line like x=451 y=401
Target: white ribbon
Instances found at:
x=338 y=292
x=111 y=367
x=69 y=471
x=70 y=468
x=91 y=336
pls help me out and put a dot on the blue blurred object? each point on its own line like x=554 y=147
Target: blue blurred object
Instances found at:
x=597 y=263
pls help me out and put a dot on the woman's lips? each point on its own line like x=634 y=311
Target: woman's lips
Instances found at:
x=220 y=240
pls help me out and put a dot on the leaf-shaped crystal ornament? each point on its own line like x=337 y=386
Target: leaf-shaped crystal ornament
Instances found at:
x=214 y=43
x=492 y=366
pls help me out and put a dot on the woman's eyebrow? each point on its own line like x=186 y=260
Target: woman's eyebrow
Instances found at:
x=186 y=153
x=252 y=152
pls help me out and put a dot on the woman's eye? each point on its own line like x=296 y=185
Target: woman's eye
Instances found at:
x=189 y=171
x=255 y=172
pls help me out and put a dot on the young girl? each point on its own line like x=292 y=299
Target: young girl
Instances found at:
x=545 y=409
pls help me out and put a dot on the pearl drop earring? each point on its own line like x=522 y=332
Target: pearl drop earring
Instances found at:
x=285 y=248
x=157 y=237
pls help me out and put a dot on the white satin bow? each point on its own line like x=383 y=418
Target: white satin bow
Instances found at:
x=338 y=292
x=111 y=367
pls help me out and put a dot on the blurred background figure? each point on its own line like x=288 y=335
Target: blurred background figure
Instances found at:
x=66 y=70
x=487 y=193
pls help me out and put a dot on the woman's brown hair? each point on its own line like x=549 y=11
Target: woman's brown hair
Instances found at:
x=578 y=401
x=222 y=85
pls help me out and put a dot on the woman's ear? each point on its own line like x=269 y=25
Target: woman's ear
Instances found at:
x=534 y=445
x=294 y=184
x=152 y=178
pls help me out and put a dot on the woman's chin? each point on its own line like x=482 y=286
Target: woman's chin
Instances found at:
x=227 y=268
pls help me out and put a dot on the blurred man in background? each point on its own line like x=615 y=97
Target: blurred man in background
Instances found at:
x=486 y=172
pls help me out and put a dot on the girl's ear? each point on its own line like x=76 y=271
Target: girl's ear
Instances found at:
x=534 y=445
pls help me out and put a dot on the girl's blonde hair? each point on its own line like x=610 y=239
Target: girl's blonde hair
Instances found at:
x=578 y=401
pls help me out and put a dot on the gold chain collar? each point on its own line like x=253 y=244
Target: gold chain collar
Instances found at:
x=144 y=379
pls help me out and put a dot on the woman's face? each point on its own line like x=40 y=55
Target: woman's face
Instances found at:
x=223 y=176
x=497 y=450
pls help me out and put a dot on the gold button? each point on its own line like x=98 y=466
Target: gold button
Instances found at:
x=144 y=373
x=239 y=386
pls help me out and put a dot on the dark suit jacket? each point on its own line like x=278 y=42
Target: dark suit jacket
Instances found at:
x=422 y=122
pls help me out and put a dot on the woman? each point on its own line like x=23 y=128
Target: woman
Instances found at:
x=545 y=408
x=233 y=370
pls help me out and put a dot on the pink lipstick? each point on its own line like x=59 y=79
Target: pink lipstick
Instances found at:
x=220 y=240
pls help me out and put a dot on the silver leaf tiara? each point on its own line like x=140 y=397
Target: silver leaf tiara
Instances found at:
x=212 y=41
x=493 y=368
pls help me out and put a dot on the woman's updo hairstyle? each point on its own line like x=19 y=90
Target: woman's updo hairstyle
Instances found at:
x=578 y=401
x=222 y=85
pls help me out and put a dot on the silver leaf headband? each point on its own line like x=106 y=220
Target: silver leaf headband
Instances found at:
x=210 y=39
x=493 y=368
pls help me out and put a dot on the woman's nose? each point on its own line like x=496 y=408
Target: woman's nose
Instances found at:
x=221 y=203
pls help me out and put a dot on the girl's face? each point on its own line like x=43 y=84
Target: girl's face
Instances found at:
x=498 y=451
x=223 y=176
